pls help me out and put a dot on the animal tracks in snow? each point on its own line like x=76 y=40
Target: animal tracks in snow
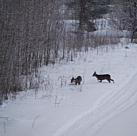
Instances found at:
x=108 y=106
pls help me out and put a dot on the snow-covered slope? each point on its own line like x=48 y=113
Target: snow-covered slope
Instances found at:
x=62 y=109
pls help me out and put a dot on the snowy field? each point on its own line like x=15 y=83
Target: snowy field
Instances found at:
x=90 y=109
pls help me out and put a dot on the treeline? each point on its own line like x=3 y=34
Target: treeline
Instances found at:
x=30 y=36
x=33 y=34
x=86 y=11
x=124 y=16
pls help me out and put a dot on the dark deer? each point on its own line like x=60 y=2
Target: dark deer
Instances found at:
x=76 y=80
x=103 y=77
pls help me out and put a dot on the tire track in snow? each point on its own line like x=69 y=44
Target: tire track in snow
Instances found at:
x=108 y=106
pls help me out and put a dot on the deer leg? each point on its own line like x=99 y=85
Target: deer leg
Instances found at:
x=109 y=80
x=112 y=80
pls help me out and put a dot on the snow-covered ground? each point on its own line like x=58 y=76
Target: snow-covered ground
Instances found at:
x=104 y=28
x=89 y=109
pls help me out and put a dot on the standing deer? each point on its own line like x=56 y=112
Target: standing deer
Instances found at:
x=103 y=77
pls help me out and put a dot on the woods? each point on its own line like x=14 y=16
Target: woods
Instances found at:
x=125 y=16
x=29 y=38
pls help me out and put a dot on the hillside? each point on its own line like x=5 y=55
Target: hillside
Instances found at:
x=62 y=109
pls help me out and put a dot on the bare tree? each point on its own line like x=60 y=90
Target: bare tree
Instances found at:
x=29 y=35
x=125 y=16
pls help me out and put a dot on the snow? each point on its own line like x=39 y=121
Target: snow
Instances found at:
x=92 y=108
x=104 y=28
x=111 y=33
x=103 y=24
x=71 y=25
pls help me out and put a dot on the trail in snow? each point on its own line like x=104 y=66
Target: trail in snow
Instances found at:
x=45 y=118
x=104 y=109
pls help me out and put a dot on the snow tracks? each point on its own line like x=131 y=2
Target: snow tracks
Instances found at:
x=108 y=106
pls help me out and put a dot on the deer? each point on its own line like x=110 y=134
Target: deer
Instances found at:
x=103 y=77
x=77 y=80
